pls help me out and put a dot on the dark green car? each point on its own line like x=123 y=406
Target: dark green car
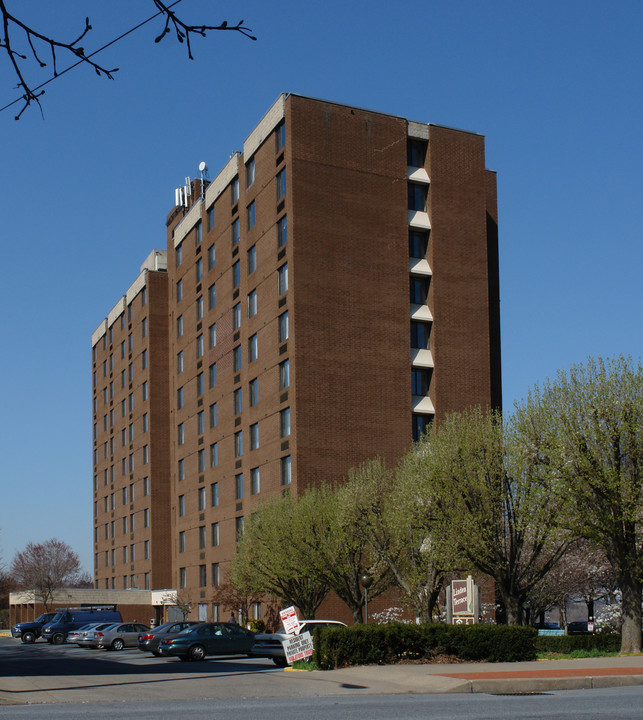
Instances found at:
x=198 y=641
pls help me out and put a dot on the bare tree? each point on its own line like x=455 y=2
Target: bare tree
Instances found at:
x=41 y=45
x=43 y=568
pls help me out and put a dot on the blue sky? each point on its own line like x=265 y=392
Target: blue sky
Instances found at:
x=554 y=86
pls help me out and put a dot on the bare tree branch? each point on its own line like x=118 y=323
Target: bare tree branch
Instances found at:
x=14 y=28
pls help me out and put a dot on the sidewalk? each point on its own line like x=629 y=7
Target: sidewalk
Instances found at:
x=497 y=678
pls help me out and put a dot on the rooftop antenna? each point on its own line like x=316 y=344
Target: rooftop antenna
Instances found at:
x=203 y=169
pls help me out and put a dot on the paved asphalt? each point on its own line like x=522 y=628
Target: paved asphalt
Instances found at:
x=93 y=676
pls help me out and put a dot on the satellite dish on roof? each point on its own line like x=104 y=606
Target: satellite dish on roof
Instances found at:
x=203 y=167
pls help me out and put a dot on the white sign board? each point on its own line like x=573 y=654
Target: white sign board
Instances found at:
x=298 y=647
x=289 y=619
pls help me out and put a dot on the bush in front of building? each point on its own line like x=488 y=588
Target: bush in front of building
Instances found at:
x=257 y=625
x=385 y=644
x=566 y=644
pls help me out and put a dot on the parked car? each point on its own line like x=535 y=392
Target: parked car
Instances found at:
x=271 y=645
x=74 y=636
x=204 y=639
x=149 y=640
x=28 y=632
x=117 y=636
x=580 y=627
x=65 y=621
x=87 y=637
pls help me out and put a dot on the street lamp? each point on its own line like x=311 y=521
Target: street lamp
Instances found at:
x=366 y=579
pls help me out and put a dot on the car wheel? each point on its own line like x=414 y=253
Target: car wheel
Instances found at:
x=28 y=637
x=197 y=652
x=58 y=639
x=117 y=644
x=156 y=653
x=280 y=662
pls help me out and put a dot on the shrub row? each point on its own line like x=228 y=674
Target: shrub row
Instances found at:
x=385 y=644
x=605 y=642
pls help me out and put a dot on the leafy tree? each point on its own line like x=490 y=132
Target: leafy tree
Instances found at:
x=45 y=567
x=585 y=430
x=266 y=563
x=43 y=47
x=395 y=521
x=490 y=504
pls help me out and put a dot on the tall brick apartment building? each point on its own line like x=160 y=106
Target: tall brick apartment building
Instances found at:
x=331 y=292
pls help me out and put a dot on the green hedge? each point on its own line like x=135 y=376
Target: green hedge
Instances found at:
x=605 y=642
x=385 y=644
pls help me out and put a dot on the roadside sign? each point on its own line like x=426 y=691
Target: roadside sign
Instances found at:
x=298 y=647
x=289 y=619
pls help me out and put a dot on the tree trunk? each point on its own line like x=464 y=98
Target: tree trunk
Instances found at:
x=631 y=613
x=513 y=610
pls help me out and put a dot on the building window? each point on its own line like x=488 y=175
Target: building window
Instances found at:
x=199 y=346
x=211 y=257
x=179 y=398
x=144 y=390
x=419 y=290
x=254 y=436
x=200 y=423
x=182 y=541
x=236 y=359
x=198 y=234
x=282 y=231
x=200 y=456
x=181 y=469
x=215 y=583
x=239 y=525
x=181 y=505
x=179 y=326
x=182 y=578
x=146 y=424
x=286 y=477
x=179 y=362
x=236 y=234
x=252 y=348
x=238 y=484
x=234 y=191
x=420 y=334
x=282 y=279
x=238 y=401
x=212 y=375
x=203 y=580
x=214 y=494
x=283 y=327
x=199 y=384
x=284 y=374
x=238 y=444
x=284 y=422
x=418 y=242
x=236 y=274
x=421 y=423
x=212 y=297
x=146 y=519
x=417 y=197
x=250 y=172
x=214 y=534
x=143 y=332
x=420 y=382
x=280 y=137
x=255 y=481
x=199 y=308
x=253 y=392
x=146 y=455
x=178 y=255
x=210 y=217
x=250 y=213
x=252 y=259
x=146 y=486
x=199 y=270
x=252 y=303
x=144 y=359
x=415 y=152
x=281 y=184
x=213 y=415
x=212 y=336
x=214 y=454
x=202 y=537
x=236 y=316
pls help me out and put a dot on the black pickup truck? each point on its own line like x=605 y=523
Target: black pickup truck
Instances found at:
x=30 y=631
